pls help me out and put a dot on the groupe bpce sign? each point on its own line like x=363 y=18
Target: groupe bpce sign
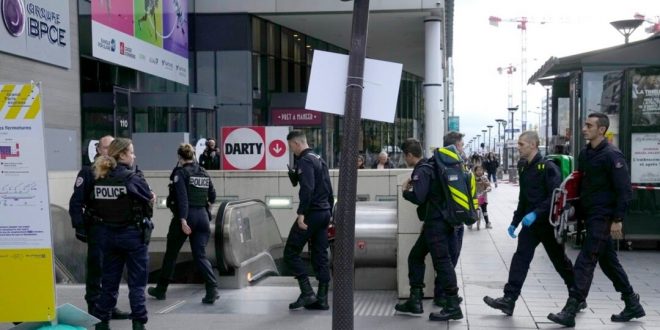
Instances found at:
x=36 y=29
x=254 y=148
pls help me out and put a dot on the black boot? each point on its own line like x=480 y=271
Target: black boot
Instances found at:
x=211 y=295
x=159 y=290
x=505 y=304
x=414 y=303
x=118 y=314
x=138 y=325
x=442 y=301
x=103 y=325
x=451 y=312
x=632 y=310
x=321 y=298
x=307 y=296
x=567 y=315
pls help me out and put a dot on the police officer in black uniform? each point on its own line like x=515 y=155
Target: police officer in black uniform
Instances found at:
x=193 y=194
x=121 y=203
x=538 y=179
x=605 y=194
x=85 y=231
x=314 y=213
x=437 y=236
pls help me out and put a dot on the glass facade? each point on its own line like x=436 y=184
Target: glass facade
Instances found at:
x=281 y=63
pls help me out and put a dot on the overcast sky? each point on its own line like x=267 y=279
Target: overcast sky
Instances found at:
x=572 y=27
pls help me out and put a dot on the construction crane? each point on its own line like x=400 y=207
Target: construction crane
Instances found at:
x=655 y=23
x=522 y=25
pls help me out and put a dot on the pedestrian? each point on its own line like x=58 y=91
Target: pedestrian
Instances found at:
x=491 y=165
x=483 y=187
x=360 y=162
x=605 y=194
x=210 y=157
x=86 y=231
x=121 y=205
x=437 y=237
x=538 y=179
x=383 y=162
x=193 y=195
x=311 y=223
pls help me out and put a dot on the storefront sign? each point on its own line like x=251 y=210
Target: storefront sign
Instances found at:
x=255 y=148
x=26 y=255
x=295 y=117
x=146 y=35
x=36 y=29
x=645 y=158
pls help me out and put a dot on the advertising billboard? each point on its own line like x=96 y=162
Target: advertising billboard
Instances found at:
x=255 y=147
x=146 y=35
x=36 y=29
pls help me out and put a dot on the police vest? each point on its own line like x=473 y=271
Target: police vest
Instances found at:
x=111 y=202
x=197 y=185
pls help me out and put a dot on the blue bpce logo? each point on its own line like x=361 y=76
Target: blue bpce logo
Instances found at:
x=13 y=15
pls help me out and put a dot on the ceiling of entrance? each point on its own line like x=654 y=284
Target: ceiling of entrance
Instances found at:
x=392 y=36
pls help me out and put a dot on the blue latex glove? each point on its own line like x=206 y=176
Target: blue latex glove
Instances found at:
x=511 y=231
x=529 y=219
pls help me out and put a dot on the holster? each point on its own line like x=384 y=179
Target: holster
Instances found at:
x=147 y=227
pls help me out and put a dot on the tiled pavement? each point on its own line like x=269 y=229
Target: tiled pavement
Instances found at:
x=482 y=271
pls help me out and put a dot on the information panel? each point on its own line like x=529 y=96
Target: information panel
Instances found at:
x=26 y=258
x=645 y=158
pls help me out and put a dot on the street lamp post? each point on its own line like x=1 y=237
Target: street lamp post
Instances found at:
x=477 y=142
x=489 y=128
x=484 y=143
x=512 y=167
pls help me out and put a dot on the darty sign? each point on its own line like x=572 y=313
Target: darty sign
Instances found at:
x=254 y=148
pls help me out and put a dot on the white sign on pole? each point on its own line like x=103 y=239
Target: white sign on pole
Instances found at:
x=327 y=86
x=645 y=158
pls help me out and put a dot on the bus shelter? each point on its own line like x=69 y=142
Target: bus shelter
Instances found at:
x=623 y=82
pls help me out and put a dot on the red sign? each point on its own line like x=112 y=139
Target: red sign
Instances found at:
x=277 y=148
x=243 y=148
x=295 y=117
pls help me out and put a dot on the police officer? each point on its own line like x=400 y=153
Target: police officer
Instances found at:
x=121 y=200
x=194 y=193
x=605 y=194
x=85 y=231
x=538 y=179
x=311 y=224
x=437 y=236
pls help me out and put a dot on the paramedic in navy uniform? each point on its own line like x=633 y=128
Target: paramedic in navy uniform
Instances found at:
x=194 y=193
x=86 y=231
x=605 y=194
x=314 y=213
x=538 y=179
x=121 y=199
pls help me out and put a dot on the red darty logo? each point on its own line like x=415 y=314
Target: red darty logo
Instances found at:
x=244 y=148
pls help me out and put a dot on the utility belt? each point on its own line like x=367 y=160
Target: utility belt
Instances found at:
x=145 y=225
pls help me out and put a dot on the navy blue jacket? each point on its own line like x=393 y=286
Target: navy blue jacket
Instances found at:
x=422 y=180
x=82 y=190
x=538 y=179
x=315 y=187
x=605 y=188
x=137 y=186
x=181 y=188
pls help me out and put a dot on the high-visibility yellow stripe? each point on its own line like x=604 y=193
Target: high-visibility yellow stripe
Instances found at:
x=461 y=202
x=448 y=153
x=34 y=108
x=458 y=193
x=6 y=90
x=15 y=109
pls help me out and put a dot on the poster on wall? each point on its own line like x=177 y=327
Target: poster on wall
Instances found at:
x=646 y=99
x=255 y=147
x=146 y=35
x=645 y=158
x=26 y=258
x=36 y=29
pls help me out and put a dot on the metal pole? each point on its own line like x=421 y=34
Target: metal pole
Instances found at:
x=342 y=311
x=547 y=119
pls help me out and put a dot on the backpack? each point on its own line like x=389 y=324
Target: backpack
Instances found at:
x=458 y=187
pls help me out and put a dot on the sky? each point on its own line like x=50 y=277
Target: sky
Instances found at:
x=556 y=28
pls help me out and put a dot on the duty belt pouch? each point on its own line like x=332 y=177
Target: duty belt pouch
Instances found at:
x=147 y=227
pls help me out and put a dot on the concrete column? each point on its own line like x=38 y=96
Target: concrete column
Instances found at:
x=433 y=87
